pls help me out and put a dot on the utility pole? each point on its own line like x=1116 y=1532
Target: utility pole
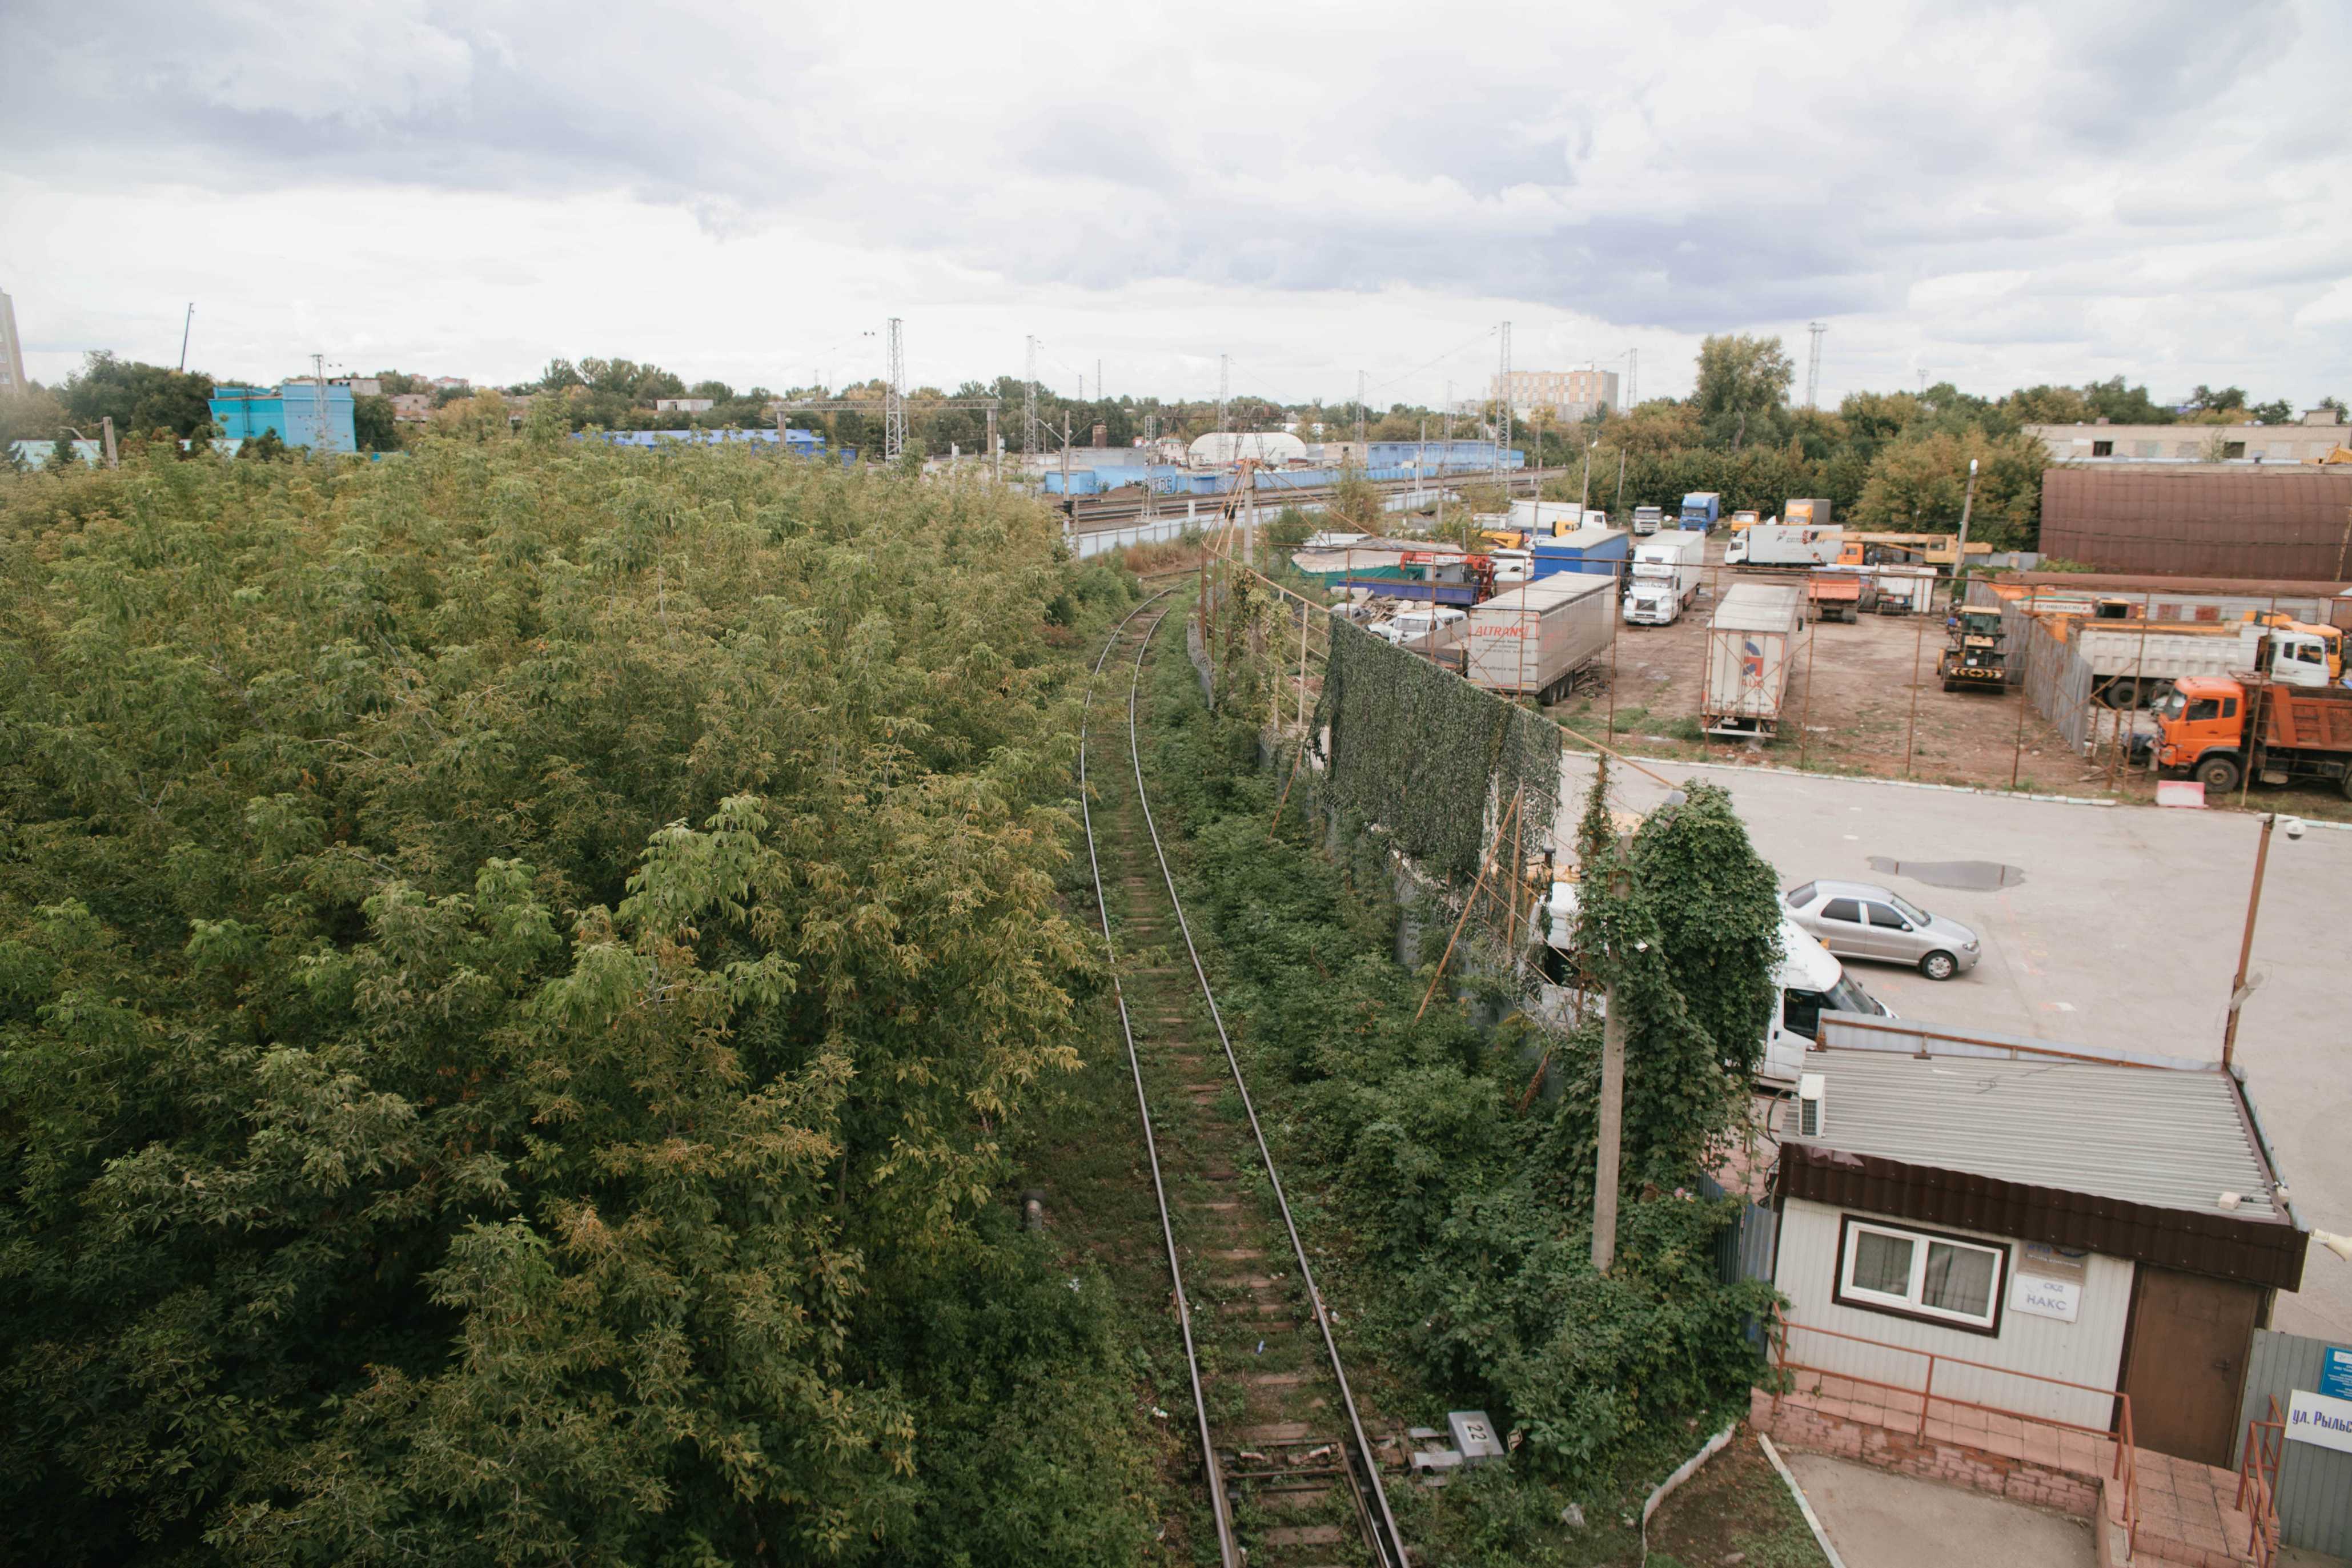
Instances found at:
x=1612 y=1097
x=995 y=451
x=1100 y=395
x=2237 y=990
x=318 y=409
x=1065 y=457
x=1029 y=413
x=1224 y=388
x=1960 y=554
x=1590 y=448
x=894 y=397
x=1150 y=510
x=1632 y=380
x=1813 y=365
x=189 y=321
x=1503 y=393
x=1360 y=454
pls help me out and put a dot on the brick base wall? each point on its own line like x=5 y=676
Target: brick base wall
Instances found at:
x=1794 y=1426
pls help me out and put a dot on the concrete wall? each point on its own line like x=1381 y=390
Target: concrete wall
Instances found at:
x=2089 y=1350
x=2189 y=443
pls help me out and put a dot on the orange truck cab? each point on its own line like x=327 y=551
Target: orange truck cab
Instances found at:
x=2216 y=728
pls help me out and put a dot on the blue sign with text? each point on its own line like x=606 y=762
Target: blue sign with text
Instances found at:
x=2336 y=1372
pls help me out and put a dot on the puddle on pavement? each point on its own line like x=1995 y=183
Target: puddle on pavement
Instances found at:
x=1968 y=876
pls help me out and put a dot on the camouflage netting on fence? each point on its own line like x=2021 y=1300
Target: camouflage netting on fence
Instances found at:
x=1429 y=757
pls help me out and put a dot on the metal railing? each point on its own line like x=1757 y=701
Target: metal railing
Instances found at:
x=2258 y=1469
x=2126 y=1467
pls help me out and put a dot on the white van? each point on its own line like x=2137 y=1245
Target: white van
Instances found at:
x=1810 y=981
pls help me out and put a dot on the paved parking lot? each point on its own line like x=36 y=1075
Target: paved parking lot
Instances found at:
x=2122 y=933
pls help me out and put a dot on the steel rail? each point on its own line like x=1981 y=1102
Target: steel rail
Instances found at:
x=1386 y=1541
x=1228 y=1550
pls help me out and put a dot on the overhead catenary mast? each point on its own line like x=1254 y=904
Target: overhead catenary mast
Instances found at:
x=1029 y=413
x=894 y=397
x=1503 y=393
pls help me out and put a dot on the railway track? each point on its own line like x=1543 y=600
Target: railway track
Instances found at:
x=1292 y=1478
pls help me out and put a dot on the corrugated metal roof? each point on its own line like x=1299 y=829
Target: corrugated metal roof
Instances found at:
x=1759 y=607
x=2167 y=1139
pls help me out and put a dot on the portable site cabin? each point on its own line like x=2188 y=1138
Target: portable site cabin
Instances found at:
x=2055 y=1225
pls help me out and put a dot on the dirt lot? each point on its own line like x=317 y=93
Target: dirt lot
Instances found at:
x=1851 y=703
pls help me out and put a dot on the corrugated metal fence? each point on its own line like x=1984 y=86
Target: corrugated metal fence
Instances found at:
x=2314 y=1486
x=1101 y=542
x=2056 y=678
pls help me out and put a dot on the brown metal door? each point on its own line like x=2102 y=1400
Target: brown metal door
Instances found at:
x=2189 y=1336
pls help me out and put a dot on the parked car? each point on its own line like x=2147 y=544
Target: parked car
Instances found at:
x=1416 y=626
x=1861 y=920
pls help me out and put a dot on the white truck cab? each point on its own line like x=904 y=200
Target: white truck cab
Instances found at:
x=1809 y=978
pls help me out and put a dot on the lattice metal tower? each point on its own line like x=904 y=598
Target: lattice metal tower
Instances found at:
x=1633 y=379
x=894 y=397
x=1502 y=392
x=1029 y=412
x=1813 y=364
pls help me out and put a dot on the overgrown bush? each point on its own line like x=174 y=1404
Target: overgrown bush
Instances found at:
x=517 y=966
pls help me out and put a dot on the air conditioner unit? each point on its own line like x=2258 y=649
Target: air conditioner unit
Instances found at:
x=1812 y=1109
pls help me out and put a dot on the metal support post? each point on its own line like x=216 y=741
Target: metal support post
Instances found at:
x=2246 y=942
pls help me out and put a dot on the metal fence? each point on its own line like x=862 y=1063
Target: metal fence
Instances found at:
x=2056 y=678
x=2315 y=1484
x=1102 y=541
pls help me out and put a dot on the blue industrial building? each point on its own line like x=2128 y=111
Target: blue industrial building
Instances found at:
x=292 y=410
x=1461 y=459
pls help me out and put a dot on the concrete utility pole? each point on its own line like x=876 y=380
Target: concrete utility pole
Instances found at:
x=1612 y=1099
x=1224 y=388
x=894 y=397
x=1361 y=455
x=188 y=322
x=1029 y=414
x=1813 y=364
x=1632 y=380
x=995 y=451
x=1100 y=395
x=318 y=409
x=1960 y=553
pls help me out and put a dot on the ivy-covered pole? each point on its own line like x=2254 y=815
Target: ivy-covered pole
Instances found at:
x=1599 y=851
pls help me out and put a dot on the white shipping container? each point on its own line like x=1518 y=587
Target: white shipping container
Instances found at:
x=1749 y=646
x=1784 y=544
x=1534 y=639
x=1903 y=590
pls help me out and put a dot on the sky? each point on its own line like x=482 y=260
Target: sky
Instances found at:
x=1991 y=195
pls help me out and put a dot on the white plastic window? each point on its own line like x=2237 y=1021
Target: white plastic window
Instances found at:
x=1932 y=1276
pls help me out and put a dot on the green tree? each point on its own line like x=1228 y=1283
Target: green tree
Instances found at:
x=63 y=454
x=1742 y=383
x=1918 y=483
x=267 y=447
x=136 y=396
x=374 y=425
x=2279 y=411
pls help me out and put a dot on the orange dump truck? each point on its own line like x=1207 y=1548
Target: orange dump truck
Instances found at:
x=2217 y=729
x=1839 y=595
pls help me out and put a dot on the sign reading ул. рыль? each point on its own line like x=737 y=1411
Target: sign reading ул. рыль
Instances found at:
x=2321 y=1419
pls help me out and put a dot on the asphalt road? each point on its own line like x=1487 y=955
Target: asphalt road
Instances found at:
x=2122 y=932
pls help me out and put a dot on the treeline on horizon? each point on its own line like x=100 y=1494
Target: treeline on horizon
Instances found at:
x=1886 y=459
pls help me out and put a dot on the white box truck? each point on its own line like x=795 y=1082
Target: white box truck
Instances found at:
x=1533 y=640
x=1666 y=578
x=1648 y=520
x=1784 y=544
x=1749 y=646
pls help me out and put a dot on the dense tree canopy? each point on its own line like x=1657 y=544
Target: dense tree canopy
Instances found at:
x=518 y=967
x=136 y=396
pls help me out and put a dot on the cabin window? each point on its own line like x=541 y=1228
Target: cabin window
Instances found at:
x=2229 y=708
x=1921 y=1274
x=2203 y=709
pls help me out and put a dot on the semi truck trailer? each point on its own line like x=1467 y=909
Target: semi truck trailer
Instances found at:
x=1532 y=640
x=1783 y=544
x=1749 y=646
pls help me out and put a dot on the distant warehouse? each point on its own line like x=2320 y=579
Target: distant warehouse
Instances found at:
x=2276 y=521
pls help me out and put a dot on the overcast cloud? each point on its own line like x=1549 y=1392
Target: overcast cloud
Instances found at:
x=1990 y=194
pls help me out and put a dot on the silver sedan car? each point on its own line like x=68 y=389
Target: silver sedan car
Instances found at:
x=1861 y=920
